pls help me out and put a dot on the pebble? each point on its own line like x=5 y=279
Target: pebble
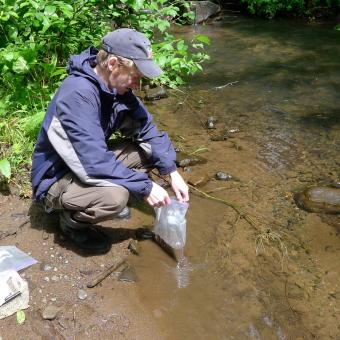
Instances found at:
x=82 y=295
x=223 y=176
x=46 y=267
x=55 y=278
x=211 y=122
x=47 y=279
x=55 y=269
x=50 y=312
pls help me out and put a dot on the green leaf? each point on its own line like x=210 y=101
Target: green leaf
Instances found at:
x=337 y=27
x=20 y=317
x=5 y=168
x=20 y=66
x=9 y=56
x=59 y=71
x=49 y=10
x=203 y=38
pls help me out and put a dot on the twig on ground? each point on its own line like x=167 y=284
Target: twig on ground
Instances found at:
x=100 y=277
x=223 y=86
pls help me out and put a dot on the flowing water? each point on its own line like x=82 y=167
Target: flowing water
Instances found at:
x=276 y=83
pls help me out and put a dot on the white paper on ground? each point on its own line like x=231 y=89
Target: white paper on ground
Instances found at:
x=13 y=258
x=11 y=284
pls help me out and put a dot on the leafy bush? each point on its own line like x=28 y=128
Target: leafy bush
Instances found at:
x=270 y=8
x=37 y=37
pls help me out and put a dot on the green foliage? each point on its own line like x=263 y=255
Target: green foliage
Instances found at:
x=5 y=168
x=270 y=8
x=38 y=36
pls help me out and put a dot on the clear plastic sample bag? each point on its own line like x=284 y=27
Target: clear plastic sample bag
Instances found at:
x=170 y=226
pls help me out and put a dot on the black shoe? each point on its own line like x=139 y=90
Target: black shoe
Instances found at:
x=125 y=214
x=85 y=236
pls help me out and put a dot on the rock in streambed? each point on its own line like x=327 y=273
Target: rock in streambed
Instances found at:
x=323 y=199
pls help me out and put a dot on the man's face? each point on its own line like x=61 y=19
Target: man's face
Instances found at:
x=123 y=78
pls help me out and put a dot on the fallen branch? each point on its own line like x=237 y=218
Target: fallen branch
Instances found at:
x=223 y=86
x=100 y=277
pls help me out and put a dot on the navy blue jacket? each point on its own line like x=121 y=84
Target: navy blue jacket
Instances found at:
x=79 y=121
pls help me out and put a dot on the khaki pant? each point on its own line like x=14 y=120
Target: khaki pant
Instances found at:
x=95 y=204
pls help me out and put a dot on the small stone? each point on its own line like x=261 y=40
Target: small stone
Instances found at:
x=134 y=247
x=155 y=93
x=44 y=300
x=47 y=279
x=210 y=123
x=82 y=295
x=55 y=269
x=52 y=255
x=66 y=262
x=198 y=179
x=53 y=299
x=50 y=312
x=55 y=278
x=223 y=176
x=45 y=267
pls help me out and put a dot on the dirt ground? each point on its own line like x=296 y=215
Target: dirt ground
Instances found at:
x=277 y=273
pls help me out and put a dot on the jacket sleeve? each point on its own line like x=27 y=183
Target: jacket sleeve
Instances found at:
x=155 y=144
x=77 y=136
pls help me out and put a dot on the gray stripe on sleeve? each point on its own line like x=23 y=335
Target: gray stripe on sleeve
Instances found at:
x=58 y=138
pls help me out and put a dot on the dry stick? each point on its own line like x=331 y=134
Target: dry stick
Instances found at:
x=234 y=206
x=104 y=274
x=219 y=189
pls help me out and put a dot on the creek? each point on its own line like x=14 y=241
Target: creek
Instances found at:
x=278 y=83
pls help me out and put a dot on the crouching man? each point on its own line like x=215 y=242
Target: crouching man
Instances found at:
x=74 y=170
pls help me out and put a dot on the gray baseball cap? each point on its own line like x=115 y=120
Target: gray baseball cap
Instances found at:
x=131 y=44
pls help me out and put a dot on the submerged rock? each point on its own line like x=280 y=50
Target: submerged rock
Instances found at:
x=198 y=179
x=319 y=199
x=224 y=176
x=128 y=274
x=184 y=159
x=155 y=93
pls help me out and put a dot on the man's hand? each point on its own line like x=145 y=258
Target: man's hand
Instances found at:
x=158 y=196
x=179 y=187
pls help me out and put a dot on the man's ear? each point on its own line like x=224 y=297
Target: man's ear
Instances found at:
x=112 y=63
